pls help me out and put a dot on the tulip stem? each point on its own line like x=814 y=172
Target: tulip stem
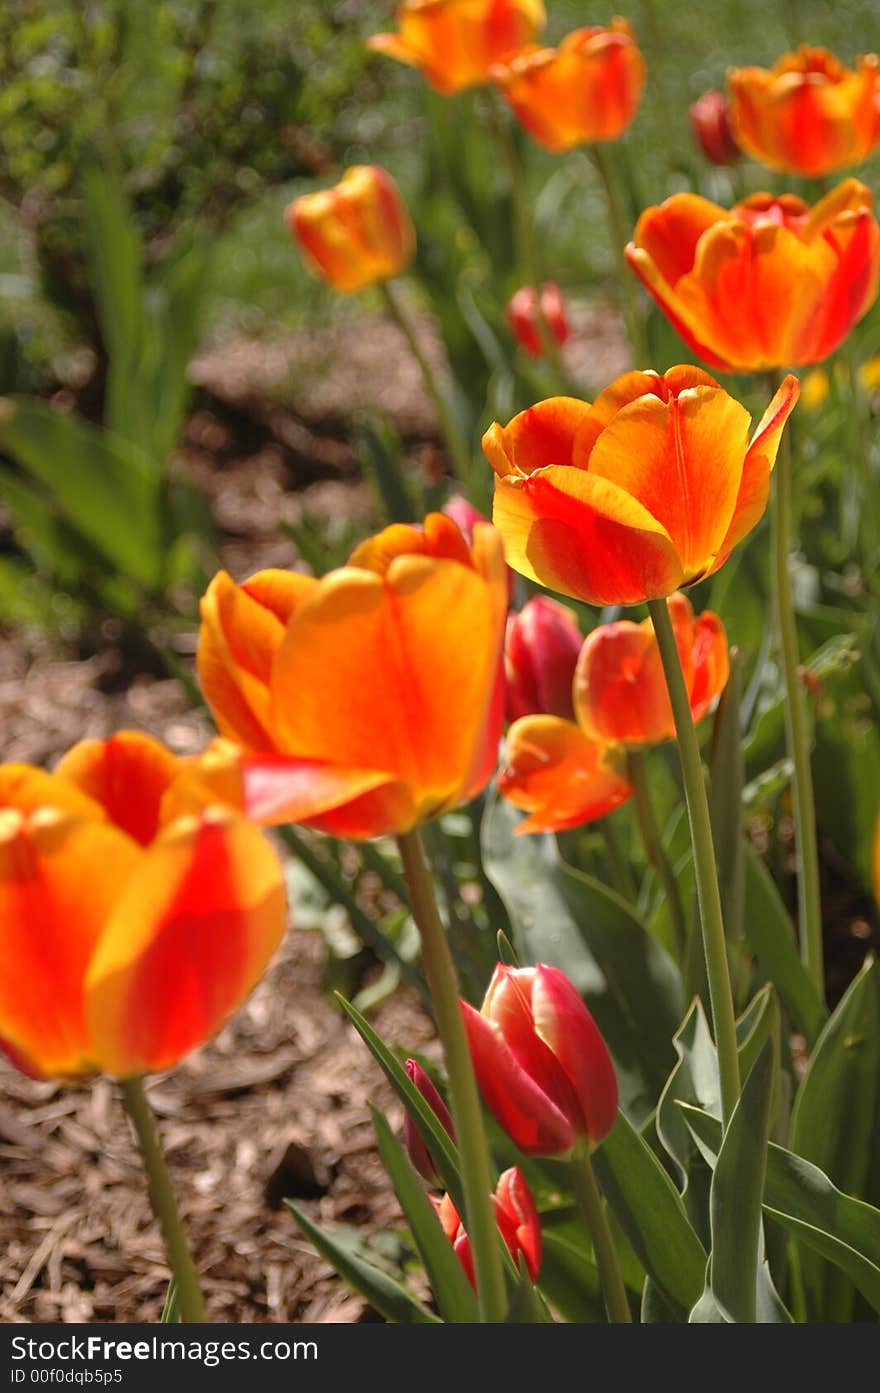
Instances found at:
x=525 y=233
x=796 y=728
x=619 y=239
x=164 y=1203
x=466 y=1111
x=705 y=868
x=456 y=444
x=655 y=850
x=589 y=1199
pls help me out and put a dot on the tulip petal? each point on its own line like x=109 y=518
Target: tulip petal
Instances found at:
x=670 y=233
x=585 y=536
x=542 y=435
x=696 y=334
x=26 y=788
x=760 y=458
x=237 y=642
x=345 y=802
x=565 y=1025
x=189 y=936
x=59 y=878
x=711 y=660
x=528 y=1116
x=438 y=537
x=419 y=712
x=558 y=775
x=128 y=775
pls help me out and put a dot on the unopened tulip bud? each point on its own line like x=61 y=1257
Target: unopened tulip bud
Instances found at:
x=516 y=1216
x=464 y=515
x=356 y=233
x=540 y=1061
x=523 y=317
x=540 y=655
x=416 y=1149
x=710 y=122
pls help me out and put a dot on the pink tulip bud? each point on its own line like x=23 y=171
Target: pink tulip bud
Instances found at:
x=416 y=1149
x=710 y=121
x=541 y=1063
x=522 y=317
x=464 y=515
x=540 y=655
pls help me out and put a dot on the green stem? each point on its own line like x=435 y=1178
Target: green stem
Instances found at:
x=467 y=1115
x=590 y=1201
x=654 y=848
x=455 y=441
x=796 y=727
x=619 y=238
x=708 y=894
x=525 y=231
x=163 y=1200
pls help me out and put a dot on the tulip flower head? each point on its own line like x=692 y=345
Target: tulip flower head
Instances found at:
x=518 y=1223
x=372 y=699
x=769 y=284
x=540 y=652
x=128 y=935
x=645 y=491
x=541 y=1063
x=522 y=317
x=356 y=233
x=808 y=114
x=587 y=89
x=416 y=1149
x=559 y=775
x=620 y=691
x=710 y=123
x=454 y=43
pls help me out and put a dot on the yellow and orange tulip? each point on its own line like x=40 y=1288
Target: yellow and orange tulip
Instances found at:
x=769 y=284
x=128 y=935
x=643 y=492
x=454 y=43
x=371 y=699
x=356 y=233
x=620 y=694
x=559 y=775
x=587 y=89
x=808 y=114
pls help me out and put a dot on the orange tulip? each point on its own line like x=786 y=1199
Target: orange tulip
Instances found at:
x=455 y=42
x=770 y=283
x=808 y=114
x=516 y=1216
x=643 y=492
x=128 y=936
x=558 y=775
x=585 y=90
x=620 y=692
x=356 y=233
x=372 y=699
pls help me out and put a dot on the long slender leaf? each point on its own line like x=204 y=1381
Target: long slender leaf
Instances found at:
x=771 y=938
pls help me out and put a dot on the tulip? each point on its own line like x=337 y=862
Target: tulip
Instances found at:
x=454 y=43
x=643 y=492
x=464 y=515
x=710 y=122
x=540 y=652
x=522 y=317
x=542 y=1065
x=768 y=284
x=808 y=114
x=620 y=692
x=128 y=935
x=416 y=1149
x=517 y=1218
x=372 y=699
x=559 y=775
x=357 y=233
x=588 y=89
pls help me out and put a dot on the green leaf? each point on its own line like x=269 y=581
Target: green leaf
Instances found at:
x=100 y=483
x=737 y=1189
x=650 y=1211
x=390 y=1298
x=800 y=1196
x=443 y=1150
x=379 y=452
x=836 y=1120
x=452 y=1290
x=170 y=1314
x=771 y=938
x=569 y=1277
x=570 y=920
